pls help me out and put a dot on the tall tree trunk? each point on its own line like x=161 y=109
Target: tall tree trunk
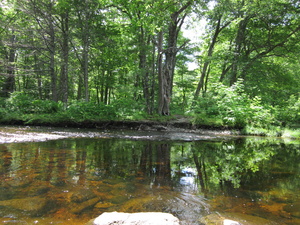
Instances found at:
x=9 y=85
x=53 y=75
x=159 y=71
x=167 y=74
x=38 y=77
x=85 y=67
x=65 y=57
x=143 y=68
x=86 y=16
x=239 y=42
x=205 y=70
x=44 y=16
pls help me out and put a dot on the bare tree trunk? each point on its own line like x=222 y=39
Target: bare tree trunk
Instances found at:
x=86 y=45
x=53 y=75
x=239 y=41
x=205 y=70
x=159 y=71
x=39 y=77
x=143 y=68
x=65 y=58
x=85 y=67
x=46 y=21
x=9 y=85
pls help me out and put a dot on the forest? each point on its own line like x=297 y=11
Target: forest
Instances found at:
x=99 y=60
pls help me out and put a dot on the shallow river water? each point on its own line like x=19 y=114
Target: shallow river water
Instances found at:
x=201 y=179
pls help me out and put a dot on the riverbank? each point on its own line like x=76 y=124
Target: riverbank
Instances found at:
x=134 y=131
x=176 y=123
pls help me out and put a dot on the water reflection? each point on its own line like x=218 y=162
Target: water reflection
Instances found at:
x=74 y=180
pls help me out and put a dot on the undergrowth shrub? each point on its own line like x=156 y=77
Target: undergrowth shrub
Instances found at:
x=3 y=111
x=232 y=107
x=81 y=111
x=128 y=108
x=27 y=104
x=289 y=113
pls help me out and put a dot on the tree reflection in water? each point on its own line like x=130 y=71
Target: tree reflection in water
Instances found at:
x=81 y=178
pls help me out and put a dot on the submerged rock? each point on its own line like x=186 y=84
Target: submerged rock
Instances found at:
x=146 y=218
x=293 y=209
x=104 y=205
x=38 y=190
x=33 y=206
x=216 y=219
x=79 y=207
x=234 y=219
x=82 y=195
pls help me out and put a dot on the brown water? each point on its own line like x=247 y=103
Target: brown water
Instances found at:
x=70 y=181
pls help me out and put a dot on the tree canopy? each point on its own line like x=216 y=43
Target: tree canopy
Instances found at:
x=134 y=54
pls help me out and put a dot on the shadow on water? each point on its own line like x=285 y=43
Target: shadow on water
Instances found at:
x=70 y=181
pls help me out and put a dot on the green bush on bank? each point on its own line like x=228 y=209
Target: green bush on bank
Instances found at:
x=26 y=108
x=289 y=113
x=232 y=107
x=88 y=111
x=223 y=106
x=27 y=104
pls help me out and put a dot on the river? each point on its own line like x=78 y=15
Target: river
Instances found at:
x=69 y=176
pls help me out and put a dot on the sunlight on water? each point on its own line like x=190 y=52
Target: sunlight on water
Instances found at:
x=70 y=181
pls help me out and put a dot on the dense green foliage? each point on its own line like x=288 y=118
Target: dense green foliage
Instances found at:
x=233 y=107
x=98 y=60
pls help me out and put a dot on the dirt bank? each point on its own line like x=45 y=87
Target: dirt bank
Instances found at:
x=149 y=130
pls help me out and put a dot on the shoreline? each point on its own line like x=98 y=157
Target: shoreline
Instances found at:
x=136 y=131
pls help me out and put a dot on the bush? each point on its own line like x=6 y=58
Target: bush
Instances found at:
x=128 y=108
x=233 y=107
x=289 y=114
x=26 y=104
x=81 y=111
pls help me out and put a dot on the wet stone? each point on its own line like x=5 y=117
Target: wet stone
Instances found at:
x=58 y=183
x=104 y=188
x=20 y=182
x=36 y=191
x=119 y=199
x=82 y=195
x=293 y=209
x=77 y=208
x=234 y=219
x=147 y=218
x=103 y=205
x=6 y=193
x=33 y=206
x=113 y=181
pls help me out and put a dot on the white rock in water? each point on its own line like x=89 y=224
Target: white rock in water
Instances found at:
x=230 y=222
x=146 y=218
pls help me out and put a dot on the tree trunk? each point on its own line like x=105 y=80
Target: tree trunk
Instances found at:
x=65 y=58
x=166 y=74
x=44 y=16
x=86 y=45
x=143 y=68
x=9 y=85
x=159 y=71
x=85 y=67
x=239 y=42
x=205 y=70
